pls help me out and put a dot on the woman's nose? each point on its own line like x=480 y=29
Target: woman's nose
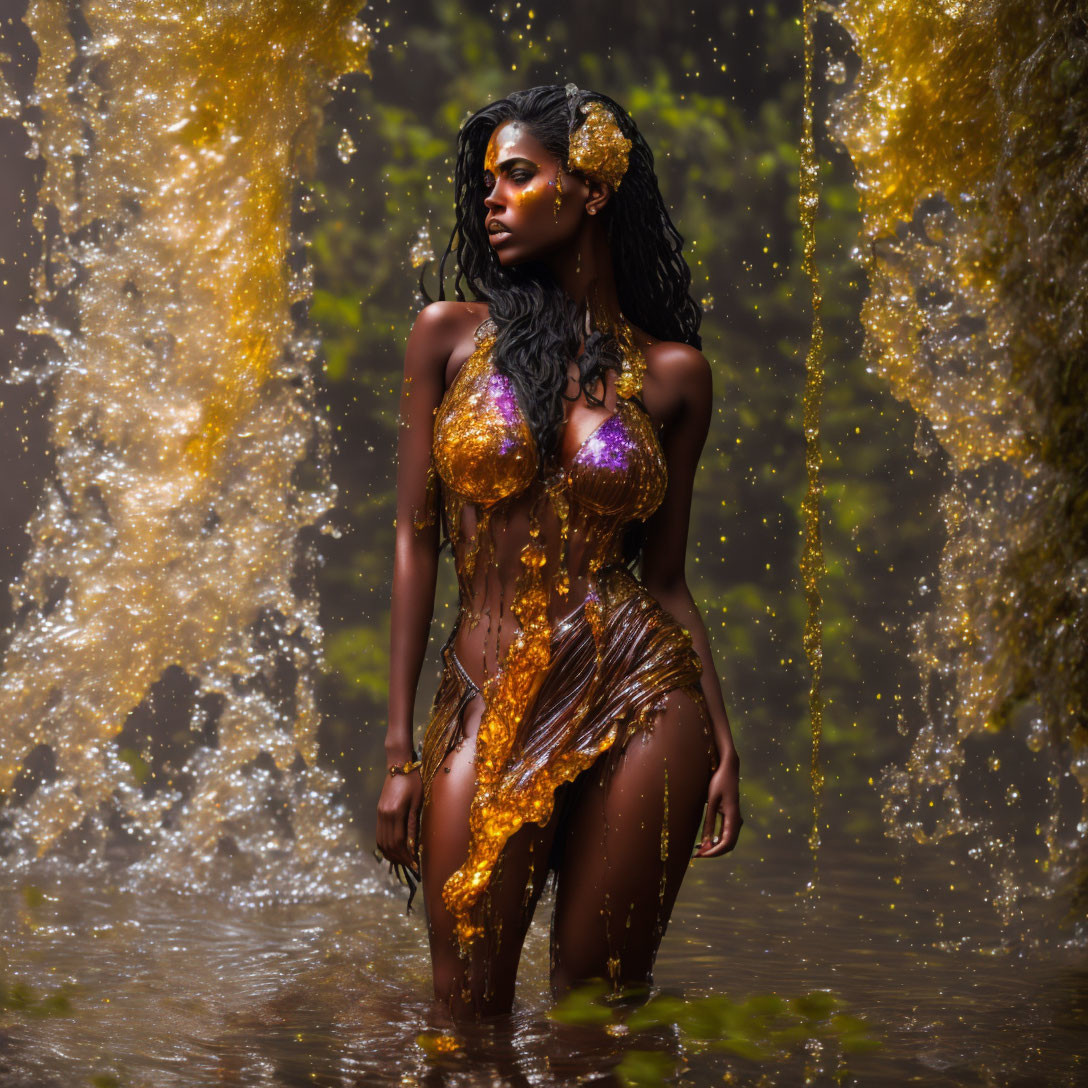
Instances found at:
x=493 y=200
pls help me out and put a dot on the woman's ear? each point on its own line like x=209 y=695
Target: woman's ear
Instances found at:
x=600 y=192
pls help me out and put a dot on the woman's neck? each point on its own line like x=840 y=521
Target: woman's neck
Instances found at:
x=584 y=271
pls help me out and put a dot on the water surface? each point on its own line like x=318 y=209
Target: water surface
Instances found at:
x=173 y=989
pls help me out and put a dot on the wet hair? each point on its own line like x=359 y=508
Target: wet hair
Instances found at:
x=539 y=327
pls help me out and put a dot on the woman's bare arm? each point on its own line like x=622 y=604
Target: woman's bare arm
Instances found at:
x=436 y=331
x=415 y=558
x=679 y=392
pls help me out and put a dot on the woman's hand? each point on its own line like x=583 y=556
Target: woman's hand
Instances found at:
x=398 y=819
x=723 y=798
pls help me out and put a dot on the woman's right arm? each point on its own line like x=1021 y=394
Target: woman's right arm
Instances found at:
x=415 y=569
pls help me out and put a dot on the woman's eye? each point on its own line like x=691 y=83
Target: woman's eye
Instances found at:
x=521 y=176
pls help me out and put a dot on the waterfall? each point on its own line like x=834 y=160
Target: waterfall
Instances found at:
x=967 y=124
x=167 y=568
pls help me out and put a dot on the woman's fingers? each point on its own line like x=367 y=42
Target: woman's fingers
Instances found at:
x=391 y=828
x=731 y=824
x=723 y=799
x=710 y=821
x=715 y=843
x=382 y=832
x=413 y=830
x=398 y=821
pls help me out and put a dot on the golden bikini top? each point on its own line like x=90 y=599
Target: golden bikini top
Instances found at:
x=484 y=451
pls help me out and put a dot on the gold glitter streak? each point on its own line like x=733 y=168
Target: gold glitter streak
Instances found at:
x=968 y=128
x=812 y=555
x=183 y=403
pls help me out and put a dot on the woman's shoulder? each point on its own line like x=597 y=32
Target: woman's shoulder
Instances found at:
x=449 y=319
x=673 y=358
x=443 y=333
x=676 y=375
x=672 y=362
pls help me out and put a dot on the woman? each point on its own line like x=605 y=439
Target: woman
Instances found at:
x=552 y=428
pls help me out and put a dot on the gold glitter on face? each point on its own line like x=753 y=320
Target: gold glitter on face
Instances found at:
x=533 y=192
x=503 y=145
x=597 y=147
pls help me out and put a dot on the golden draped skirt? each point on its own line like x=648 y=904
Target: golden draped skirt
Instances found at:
x=612 y=663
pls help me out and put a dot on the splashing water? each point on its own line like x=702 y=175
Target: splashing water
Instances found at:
x=971 y=152
x=166 y=561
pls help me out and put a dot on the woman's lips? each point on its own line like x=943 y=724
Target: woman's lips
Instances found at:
x=497 y=237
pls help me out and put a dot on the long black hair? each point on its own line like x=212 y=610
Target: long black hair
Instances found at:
x=539 y=327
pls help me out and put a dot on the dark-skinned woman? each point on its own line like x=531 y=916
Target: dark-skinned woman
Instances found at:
x=550 y=432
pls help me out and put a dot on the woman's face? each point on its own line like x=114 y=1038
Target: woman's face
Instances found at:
x=530 y=201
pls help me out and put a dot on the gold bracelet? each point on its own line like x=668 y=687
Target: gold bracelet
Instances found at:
x=405 y=768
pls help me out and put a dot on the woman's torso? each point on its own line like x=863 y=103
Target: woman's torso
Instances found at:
x=609 y=473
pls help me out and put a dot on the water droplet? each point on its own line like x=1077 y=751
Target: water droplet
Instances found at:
x=1037 y=735
x=421 y=251
x=345 y=147
x=835 y=71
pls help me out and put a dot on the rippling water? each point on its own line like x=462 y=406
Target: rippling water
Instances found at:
x=171 y=989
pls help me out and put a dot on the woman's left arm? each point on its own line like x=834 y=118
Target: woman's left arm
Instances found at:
x=679 y=392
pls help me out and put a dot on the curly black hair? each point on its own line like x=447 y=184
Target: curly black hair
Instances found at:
x=539 y=327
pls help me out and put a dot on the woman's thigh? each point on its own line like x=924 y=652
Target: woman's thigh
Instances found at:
x=483 y=981
x=627 y=843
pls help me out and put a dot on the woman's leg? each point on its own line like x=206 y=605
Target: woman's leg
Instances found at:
x=628 y=839
x=484 y=982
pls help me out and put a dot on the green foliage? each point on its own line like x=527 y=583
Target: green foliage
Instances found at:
x=764 y=1028
x=644 y=1069
x=583 y=1006
x=137 y=764
x=21 y=999
x=358 y=657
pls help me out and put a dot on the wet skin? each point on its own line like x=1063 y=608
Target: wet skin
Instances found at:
x=619 y=817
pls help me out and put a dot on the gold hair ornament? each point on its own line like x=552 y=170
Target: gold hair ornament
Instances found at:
x=598 y=149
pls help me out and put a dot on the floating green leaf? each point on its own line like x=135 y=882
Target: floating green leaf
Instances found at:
x=644 y=1069
x=583 y=1006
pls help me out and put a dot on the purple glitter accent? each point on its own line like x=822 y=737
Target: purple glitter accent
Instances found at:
x=610 y=446
x=502 y=395
x=501 y=392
